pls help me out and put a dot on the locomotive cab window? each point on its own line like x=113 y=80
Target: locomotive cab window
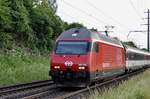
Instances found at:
x=95 y=47
x=72 y=47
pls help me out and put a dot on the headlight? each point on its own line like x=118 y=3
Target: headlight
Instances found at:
x=81 y=68
x=56 y=67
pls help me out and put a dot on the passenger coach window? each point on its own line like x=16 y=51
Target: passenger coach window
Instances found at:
x=95 y=47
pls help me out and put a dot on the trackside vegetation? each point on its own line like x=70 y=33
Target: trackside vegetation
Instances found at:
x=137 y=87
x=16 y=66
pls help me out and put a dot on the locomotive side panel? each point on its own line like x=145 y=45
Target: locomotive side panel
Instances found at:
x=106 y=60
x=113 y=60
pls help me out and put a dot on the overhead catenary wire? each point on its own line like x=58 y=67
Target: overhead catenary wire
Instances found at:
x=83 y=20
x=90 y=15
x=74 y=17
x=103 y=13
x=139 y=15
x=136 y=11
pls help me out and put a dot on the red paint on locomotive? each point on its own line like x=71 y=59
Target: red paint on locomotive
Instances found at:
x=104 y=58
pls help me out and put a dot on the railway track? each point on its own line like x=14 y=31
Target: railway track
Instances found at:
x=24 y=89
x=60 y=93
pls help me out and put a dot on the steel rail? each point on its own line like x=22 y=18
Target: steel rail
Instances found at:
x=98 y=85
x=78 y=93
x=24 y=86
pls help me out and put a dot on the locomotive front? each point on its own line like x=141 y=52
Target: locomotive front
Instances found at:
x=70 y=60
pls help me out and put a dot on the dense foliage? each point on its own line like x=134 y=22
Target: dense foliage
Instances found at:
x=30 y=23
x=130 y=43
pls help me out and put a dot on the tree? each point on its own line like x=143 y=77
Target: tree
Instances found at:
x=46 y=26
x=144 y=49
x=5 y=17
x=130 y=43
x=74 y=25
x=52 y=4
x=41 y=19
x=20 y=16
x=94 y=29
x=31 y=23
x=5 y=23
x=57 y=26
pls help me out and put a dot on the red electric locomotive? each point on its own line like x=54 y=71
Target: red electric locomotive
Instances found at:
x=81 y=57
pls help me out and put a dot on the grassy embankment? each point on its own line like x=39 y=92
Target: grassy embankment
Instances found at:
x=16 y=66
x=136 y=88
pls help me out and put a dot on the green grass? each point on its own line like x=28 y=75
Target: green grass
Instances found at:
x=136 y=88
x=16 y=67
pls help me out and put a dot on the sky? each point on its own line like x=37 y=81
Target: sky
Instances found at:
x=124 y=15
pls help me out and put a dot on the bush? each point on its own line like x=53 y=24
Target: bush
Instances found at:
x=5 y=40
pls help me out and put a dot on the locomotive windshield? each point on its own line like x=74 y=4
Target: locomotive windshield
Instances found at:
x=71 y=47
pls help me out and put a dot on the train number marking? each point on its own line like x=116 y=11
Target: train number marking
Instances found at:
x=105 y=64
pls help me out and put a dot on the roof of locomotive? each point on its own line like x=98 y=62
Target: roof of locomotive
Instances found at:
x=83 y=33
x=75 y=33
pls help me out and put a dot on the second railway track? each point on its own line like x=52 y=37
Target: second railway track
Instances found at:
x=21 y=90
x=46 y=89
x=80 y=93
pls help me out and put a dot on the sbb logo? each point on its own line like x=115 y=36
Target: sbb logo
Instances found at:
x=68 y=63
